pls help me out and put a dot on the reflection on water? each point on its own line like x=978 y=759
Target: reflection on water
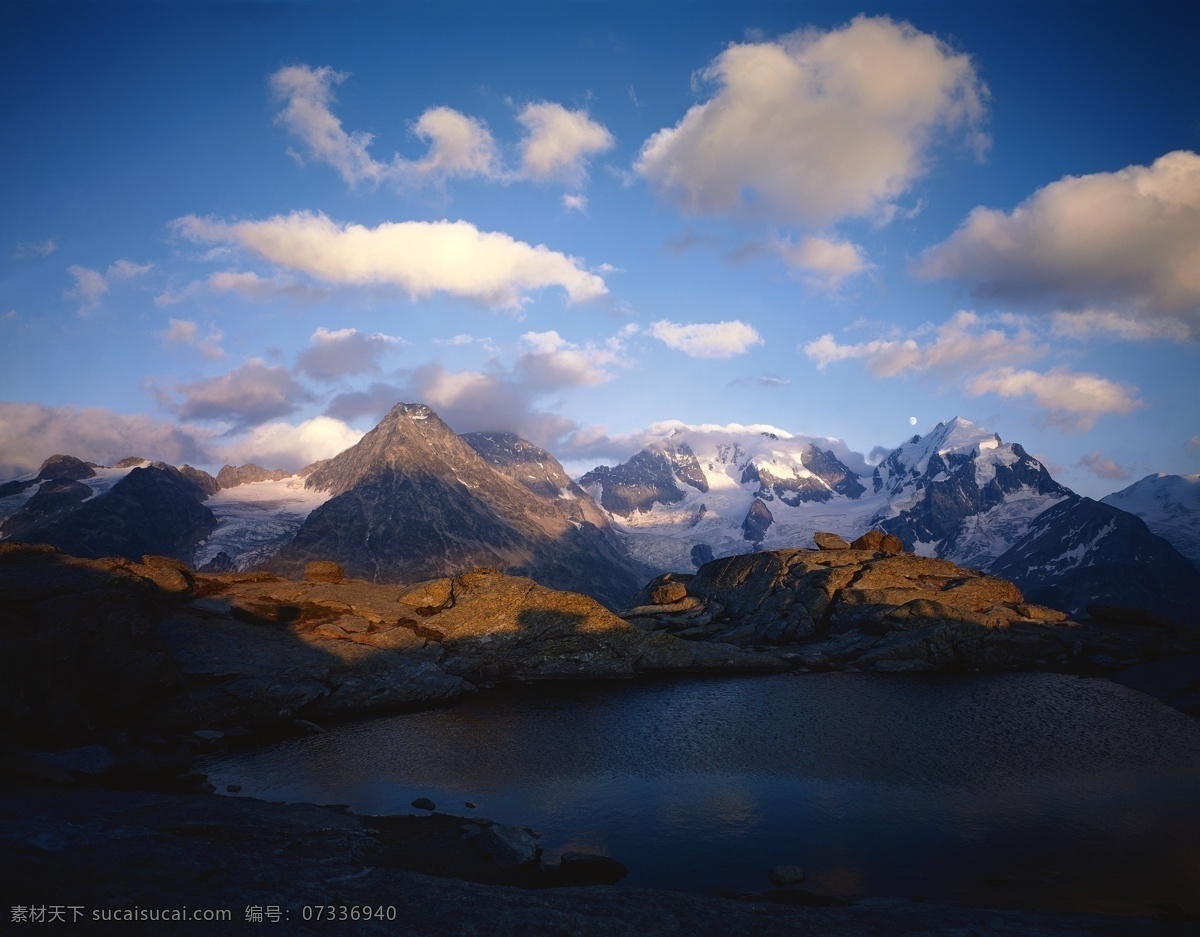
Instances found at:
x=1069 y=792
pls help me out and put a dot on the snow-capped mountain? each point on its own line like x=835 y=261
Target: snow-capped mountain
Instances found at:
x=959 y=492
x=1083 y=553
x=1170 y=506
x=136 y=507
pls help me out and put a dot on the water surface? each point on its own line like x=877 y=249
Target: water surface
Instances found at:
x=1027 y=789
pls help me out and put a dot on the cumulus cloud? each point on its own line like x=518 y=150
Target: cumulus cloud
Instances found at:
x=90 y=286
x=292 y=446
x=707 y=339
x=552 y=362
x=1103 y=467
x=246 y=396
x=824 y=262
x=961 y=343
x=1129 y=240
x=419 y=257
x=249 y=286
x=558 y=142
x=335 y=354
x=595 y=442
x=32 y=432
x=499 y=398
x=575 y=203
x=1193 y=444
x=187 y=332
x=458 y=145
x=1073 y=400
x=817 y=126
x=472 y=401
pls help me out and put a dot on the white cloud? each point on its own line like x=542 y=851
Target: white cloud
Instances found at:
x=707 y=340
x=1128 y=239
x=308 y=93
x=825 y=262
x=558 y=142
x=458 y=145
x=1193 y=444
x=31 y=432
x=594 y=441
x=959 y=344
x=575 y=203
x=335 y=354
x=817 y=126
x=1103 y=467
x=1074 y=400
x=1110 y=324
x=246 y=396
x=419 y=257
x=553 y=362
x=127 y=270
x=90 y=286
x=187 y=332
x=292 y=446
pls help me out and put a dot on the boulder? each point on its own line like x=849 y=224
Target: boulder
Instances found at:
x=827 y=541
x=508 y=847
x=323 y=571
x=878 y=541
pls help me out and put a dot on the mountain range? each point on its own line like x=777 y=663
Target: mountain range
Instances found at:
x=413 y=500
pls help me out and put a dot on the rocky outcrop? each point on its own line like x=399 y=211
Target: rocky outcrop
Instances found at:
x=89 y=645
x=758 y=520
x=412 y=501
x=230 y=476
x=869 y=609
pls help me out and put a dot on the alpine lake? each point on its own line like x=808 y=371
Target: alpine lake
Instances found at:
x=1006 y=789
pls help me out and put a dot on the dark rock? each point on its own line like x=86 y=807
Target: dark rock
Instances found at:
x=827 y=541
x=323 y=571
x=200 y=478
x=424 y=803
x=701 y=553
x=220 y=563
x=588 y=868
x=65 y=466
x=758 y=519
x=508 y=847
x=53 y=501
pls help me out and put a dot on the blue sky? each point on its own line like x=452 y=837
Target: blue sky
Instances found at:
x=236 y=232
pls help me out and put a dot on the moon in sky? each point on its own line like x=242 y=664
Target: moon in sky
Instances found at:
x=912 y=421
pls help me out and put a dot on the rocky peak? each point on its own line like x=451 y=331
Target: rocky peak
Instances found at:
x=231 y=476
x=651 y=475
x=65 y=466
x=410 y=438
